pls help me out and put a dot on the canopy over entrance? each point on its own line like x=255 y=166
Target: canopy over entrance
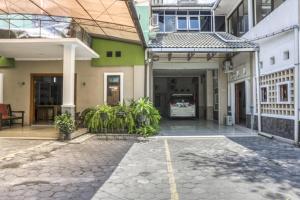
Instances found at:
x=105 y=18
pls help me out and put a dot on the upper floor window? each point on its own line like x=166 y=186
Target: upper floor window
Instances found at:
x=238 y=21
x=220 y=23
x=183 y=20
x=264 y=7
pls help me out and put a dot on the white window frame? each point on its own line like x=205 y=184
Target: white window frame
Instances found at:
x=264 y=102
x=121 y=74
x=189 y=22
x=155 y=18
x=288 y=83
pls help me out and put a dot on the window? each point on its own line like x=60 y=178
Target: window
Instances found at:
x=265 y=7
x=109 y=54
x=113 y=88
x=205 y=23
x=194 y=23
x=170 y=23
x=261 y=64
x=264 y=94
x=181 y=23
x=286 y=55
x=183 y=20
x=220 y=23
x=283 y=92
x=238 y=21
x=272 y=60
x=118 y=54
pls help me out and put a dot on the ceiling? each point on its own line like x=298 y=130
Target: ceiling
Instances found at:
x=44 y=49
x=107 y=18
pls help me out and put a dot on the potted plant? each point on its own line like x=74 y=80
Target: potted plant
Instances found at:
x=65 y=124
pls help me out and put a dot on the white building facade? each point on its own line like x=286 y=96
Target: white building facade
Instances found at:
x=259 y=88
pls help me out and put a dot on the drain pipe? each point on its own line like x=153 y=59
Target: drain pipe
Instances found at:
x=296 y=84
x=258 y=90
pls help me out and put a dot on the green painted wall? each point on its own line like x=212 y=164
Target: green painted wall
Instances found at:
x=143 y=12
x=131 y=54
x=7 y=62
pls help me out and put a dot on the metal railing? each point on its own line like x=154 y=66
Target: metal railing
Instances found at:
x=41 y=28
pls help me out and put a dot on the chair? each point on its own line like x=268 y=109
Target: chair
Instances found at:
x=7 y=115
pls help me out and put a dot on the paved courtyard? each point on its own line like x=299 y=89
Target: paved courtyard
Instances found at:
x=218 y=168
x=248 y=168
x=55 y=170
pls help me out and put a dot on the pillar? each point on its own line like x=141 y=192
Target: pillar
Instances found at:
x=138 y=81
x=1 y=87
x=69 y=79
x=250 y=14
x=209 y=95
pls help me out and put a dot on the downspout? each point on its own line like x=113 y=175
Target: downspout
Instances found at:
x=258 y=90
x=296 y=84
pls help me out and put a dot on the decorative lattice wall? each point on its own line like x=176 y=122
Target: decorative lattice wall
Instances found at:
x=273 y=106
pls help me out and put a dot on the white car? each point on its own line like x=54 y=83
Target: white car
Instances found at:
x=182 y=105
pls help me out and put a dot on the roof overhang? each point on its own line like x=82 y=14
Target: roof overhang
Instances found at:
x=104 y=18
x=202 y=50
x=44 y=49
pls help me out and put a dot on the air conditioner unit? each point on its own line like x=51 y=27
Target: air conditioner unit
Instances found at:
x=227 y=66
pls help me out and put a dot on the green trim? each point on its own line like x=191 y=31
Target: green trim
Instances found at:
x=131 y=54
x=7 y=62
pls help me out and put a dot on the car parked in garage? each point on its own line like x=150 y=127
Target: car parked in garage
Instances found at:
x=182 y=105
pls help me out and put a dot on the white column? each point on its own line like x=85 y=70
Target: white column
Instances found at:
x=250 y=14
x=69 y=79
x=209 y=95
x=258 y=90
x=296 y=84
x=1 y=87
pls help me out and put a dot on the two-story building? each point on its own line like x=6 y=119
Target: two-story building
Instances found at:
x=239 y=58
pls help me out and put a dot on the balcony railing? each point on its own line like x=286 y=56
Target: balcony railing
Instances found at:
x=42 y=28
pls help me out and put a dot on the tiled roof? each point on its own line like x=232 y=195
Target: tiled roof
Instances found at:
x=199 y=40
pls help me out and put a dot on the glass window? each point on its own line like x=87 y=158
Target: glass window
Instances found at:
x=220 y=23
x=161 y=23
x=205 y=13
x=182 y=23
x=170 y=23
x=283 y=92
x=264 y=94
x=113 y=91
x=170 y=12
x=181 y=12
x=194 y=23
x=205 y=23
x=263 y=8
x=193 y=12
x=232 y=23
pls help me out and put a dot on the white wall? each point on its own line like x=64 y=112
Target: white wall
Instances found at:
x=276 y=46
x=284 y=16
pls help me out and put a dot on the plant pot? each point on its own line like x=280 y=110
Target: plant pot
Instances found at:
x=68 y=136
x=61 y=136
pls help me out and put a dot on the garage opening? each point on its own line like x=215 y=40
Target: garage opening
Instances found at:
x=186 y=94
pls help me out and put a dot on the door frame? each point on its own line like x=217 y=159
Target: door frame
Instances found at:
x=32 y=91
x=237 y=112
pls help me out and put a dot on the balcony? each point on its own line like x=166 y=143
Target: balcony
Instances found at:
x=38 y=26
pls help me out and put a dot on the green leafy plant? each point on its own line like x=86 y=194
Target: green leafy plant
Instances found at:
x=146 y=131
x=65 y=123
x=138 y=117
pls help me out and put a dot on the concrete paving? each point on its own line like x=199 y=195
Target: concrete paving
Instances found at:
x=197 y=127
x=213 y=168
x=55 y=170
